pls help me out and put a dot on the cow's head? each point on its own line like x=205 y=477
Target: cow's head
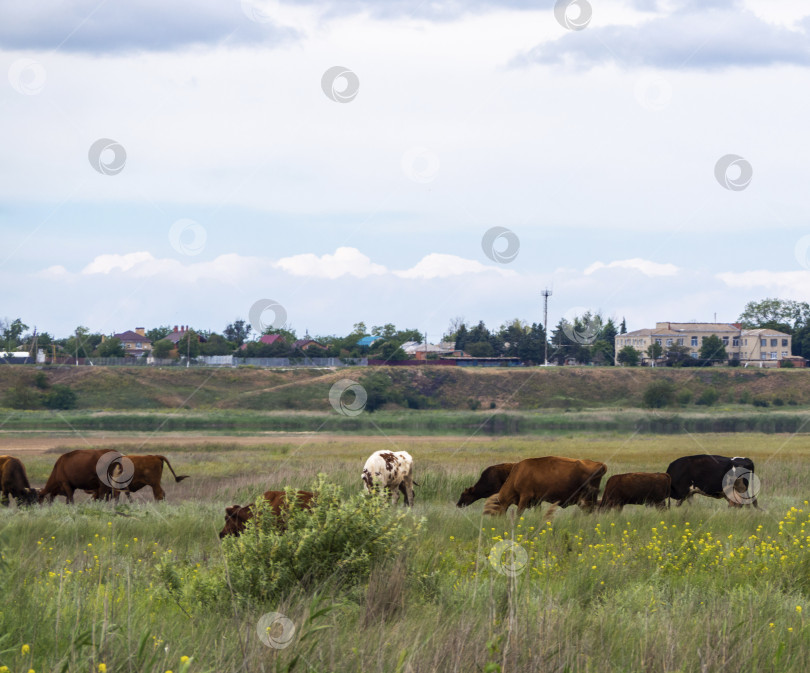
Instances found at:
x=29 y=497
x=589 y=496
x=467 y=497
x=236 y=517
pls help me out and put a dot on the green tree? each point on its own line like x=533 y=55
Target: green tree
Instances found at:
x=12 y=333
x=658 y=394
x=462 y=337
x=628 y=356
x=623 y=327
x=480 y=349
x=189 y=344
x=59 y=397
x=237 y=332
x=677 y=356
x=531 y=347
x=216 y=344
x=712 y=348
x=785 y=315
x=162 y=348
x=158 y=333
x=111 y=348
x=655 y=350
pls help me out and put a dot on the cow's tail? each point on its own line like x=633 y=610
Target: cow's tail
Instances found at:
x=493 y=505
x=176 y=478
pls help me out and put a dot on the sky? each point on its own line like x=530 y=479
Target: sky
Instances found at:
x=406 y=162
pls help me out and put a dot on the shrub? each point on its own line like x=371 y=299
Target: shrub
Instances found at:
x=379 y=389
x=760 y=402
x=778 y=402
x=684 y=397
x=708 y=397
x=658 y=394
x=338 y=543
x=745 y=397
x=473 y=403
x=59 y=397
x=786 y=364
x=41 y=381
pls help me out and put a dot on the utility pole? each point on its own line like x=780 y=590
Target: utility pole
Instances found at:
x=546 y=294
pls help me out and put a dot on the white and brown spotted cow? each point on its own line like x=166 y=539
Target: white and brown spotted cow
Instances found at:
x=392 y=470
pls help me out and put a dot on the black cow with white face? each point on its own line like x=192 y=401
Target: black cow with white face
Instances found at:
x=715 y=477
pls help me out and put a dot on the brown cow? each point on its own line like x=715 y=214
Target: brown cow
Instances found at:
x=236 y=516
x=14 y=482
x=489 y=483
x=557 y=481
x=637 y=488
x=75 y=470
x=148 y=470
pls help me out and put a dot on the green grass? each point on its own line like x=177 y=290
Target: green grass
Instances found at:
x=86 y=585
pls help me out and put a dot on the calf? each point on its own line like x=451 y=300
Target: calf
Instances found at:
x=637 y=488
x=147 y=471
x=715 y=477
x=14 y=482
x=237 y=516
x=391 y=470
x=489 y=483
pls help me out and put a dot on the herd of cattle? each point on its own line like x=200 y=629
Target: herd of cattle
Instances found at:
x=555 y=480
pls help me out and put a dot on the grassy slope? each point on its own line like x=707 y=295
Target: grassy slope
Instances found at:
x=449 y=388
x=82 y=584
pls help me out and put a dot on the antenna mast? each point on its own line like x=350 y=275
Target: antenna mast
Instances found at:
x=546 y=294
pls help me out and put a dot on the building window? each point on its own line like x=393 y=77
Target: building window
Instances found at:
x=694 y=341
x=694 y=355
x=784 y=342
x=764 y=355
x=669 y=342
x=773 y=355
x=138 y=344
x=680 y=341
x=763 y=343
x=774 y=342
x=658 y=341
x=784 y=354
x=129 y=345
x=735 y=341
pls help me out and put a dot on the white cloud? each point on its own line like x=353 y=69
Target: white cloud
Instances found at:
x=345 y=262
x=107 y=263
x=787 y=283
x=645 y=266
x=438 y=265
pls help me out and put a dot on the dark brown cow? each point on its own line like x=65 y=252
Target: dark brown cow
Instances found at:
x=637 y=488
x=552 y=479
x=148 y=471
x=75 y=470
x=237 y=516
x=489 y=483
x=14 y=482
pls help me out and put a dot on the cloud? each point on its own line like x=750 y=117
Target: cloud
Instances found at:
x=788 y=283
x=437 y=265
x=345 y=261
x=705 y=36
x=645 y=266
x=146 y=25
x=107 y=263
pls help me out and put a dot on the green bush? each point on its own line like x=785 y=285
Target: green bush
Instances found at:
x=658 y=394
x=59 y=397
x=760 y=402
x=336 y=544
x=708 y=397
x=684 y=397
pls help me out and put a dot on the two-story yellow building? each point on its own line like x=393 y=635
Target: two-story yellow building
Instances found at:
x=766 y=347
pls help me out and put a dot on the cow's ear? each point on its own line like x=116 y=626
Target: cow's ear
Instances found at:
x=230 y=511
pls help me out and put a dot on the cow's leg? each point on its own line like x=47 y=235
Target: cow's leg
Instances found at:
x=157 y=491
x=394 y=495
x=68 y=491
x=406 y=486
x=4 y=499
x=550 y=511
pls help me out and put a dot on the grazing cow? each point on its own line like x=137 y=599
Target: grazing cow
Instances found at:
x=75 y=470
x=557 y=481
x=715 y=477
x=489 y=483
x=147 y=472
x=391 y=470
x=236 y=516
x=14 y=482
x=636 y=488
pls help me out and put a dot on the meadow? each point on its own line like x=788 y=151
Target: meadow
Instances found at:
x=133 y=587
